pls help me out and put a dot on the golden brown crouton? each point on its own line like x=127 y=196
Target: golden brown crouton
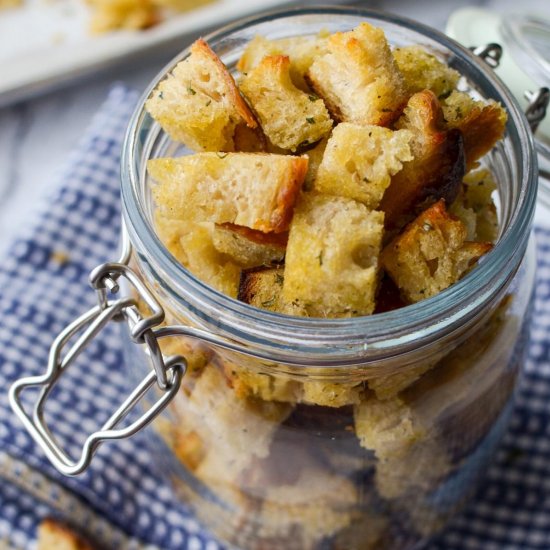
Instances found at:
x=262 y=287
x=437 y=168
x=358 y=78
x=254 y=190
x=482 y=123
x=474 y=206
x=248 y=247
x=332 y=256
x=53 y=535
x=289 y=117
x=206 y=262
x=386 y=427
x=359 y=161
x=199 y=104
x=431 y=254
x=327 y=394
x=302 y=50
x=423 y=71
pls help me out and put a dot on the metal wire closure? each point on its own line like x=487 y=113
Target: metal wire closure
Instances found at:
x=167 y=373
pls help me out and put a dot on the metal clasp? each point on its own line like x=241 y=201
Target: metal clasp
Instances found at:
x=167 y=373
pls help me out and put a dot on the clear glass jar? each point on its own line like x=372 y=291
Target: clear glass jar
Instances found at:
x=366 y=432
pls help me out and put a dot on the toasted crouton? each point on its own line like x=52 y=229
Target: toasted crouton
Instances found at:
x=199 y=104
x=482 y=123
x=474 y=206
x=249 y=248
x=431 y=254
x=206 y=262
x=301 y=50
x=53 y=535
x=437 y=168
x=254 y=190
x=332 y=256
x=262 y=287
x=289 y=117
x=358 y=78
x=359 y=161
x=329 y=394
x=423 y=71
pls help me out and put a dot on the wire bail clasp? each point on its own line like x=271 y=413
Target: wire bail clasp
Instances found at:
x=167 y=373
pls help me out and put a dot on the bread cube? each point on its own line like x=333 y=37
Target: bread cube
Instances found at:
x=474 y=206
x=359 y=161
x=207 y=263
x=262 y=287
x=331 y=267
x=327 y=394
x=423 y=71
x=248 y=247
x=431 y=254
x=358 y=77
x=289 y=117
x=198 y=103
x=438 y=166
x=253 y=190
x=482 y=123
x=302 y=50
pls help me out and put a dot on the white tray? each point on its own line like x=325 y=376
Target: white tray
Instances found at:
x=45 y=43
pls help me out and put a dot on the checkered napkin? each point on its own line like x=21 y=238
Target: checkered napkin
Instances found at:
x=121 y=500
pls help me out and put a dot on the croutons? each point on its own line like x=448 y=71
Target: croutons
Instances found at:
x=431 y=254
x=329 y=394
x=53 y=535
x=254 y=190
x=423 y=71
x=359 y=161
x=437 y=168
x=289 y=117
x=262 y=287
x=482 y=123
x=302 y=50
x=474 y=206
x=358 y=78
x=249 y=248
x=332 y=256
x=199 y=104
x=206 y=262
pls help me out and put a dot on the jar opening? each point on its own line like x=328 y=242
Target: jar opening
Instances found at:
x=343 y=337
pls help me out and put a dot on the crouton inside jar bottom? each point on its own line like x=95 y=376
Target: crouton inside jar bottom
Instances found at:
x=268 y=459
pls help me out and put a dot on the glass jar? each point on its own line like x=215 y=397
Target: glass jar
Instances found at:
x=367 y=432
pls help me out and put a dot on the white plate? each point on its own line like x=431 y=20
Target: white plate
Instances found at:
x=45 y=43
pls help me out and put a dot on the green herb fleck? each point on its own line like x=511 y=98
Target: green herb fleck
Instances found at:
x=221 y=155
x=190 y=90
x=320 y=258
x=312 y=97
x=279 y=279
x=268 y=303
x=310 y=119
x=161 y=95
x=208 y=102
x=387 y=110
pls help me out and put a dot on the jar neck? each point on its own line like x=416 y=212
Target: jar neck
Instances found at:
x=343 y=341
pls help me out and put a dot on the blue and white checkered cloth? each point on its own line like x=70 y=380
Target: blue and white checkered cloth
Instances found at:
x=121 y=500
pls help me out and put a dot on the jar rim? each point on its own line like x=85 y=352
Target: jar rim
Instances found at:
x=321 y=339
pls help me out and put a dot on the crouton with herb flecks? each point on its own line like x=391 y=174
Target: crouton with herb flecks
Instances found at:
x=358 y=78
x=253 y=190
x=359 y=161
x=331 y=266
x=431 y=254
x=199 y=104
x=290 y=118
